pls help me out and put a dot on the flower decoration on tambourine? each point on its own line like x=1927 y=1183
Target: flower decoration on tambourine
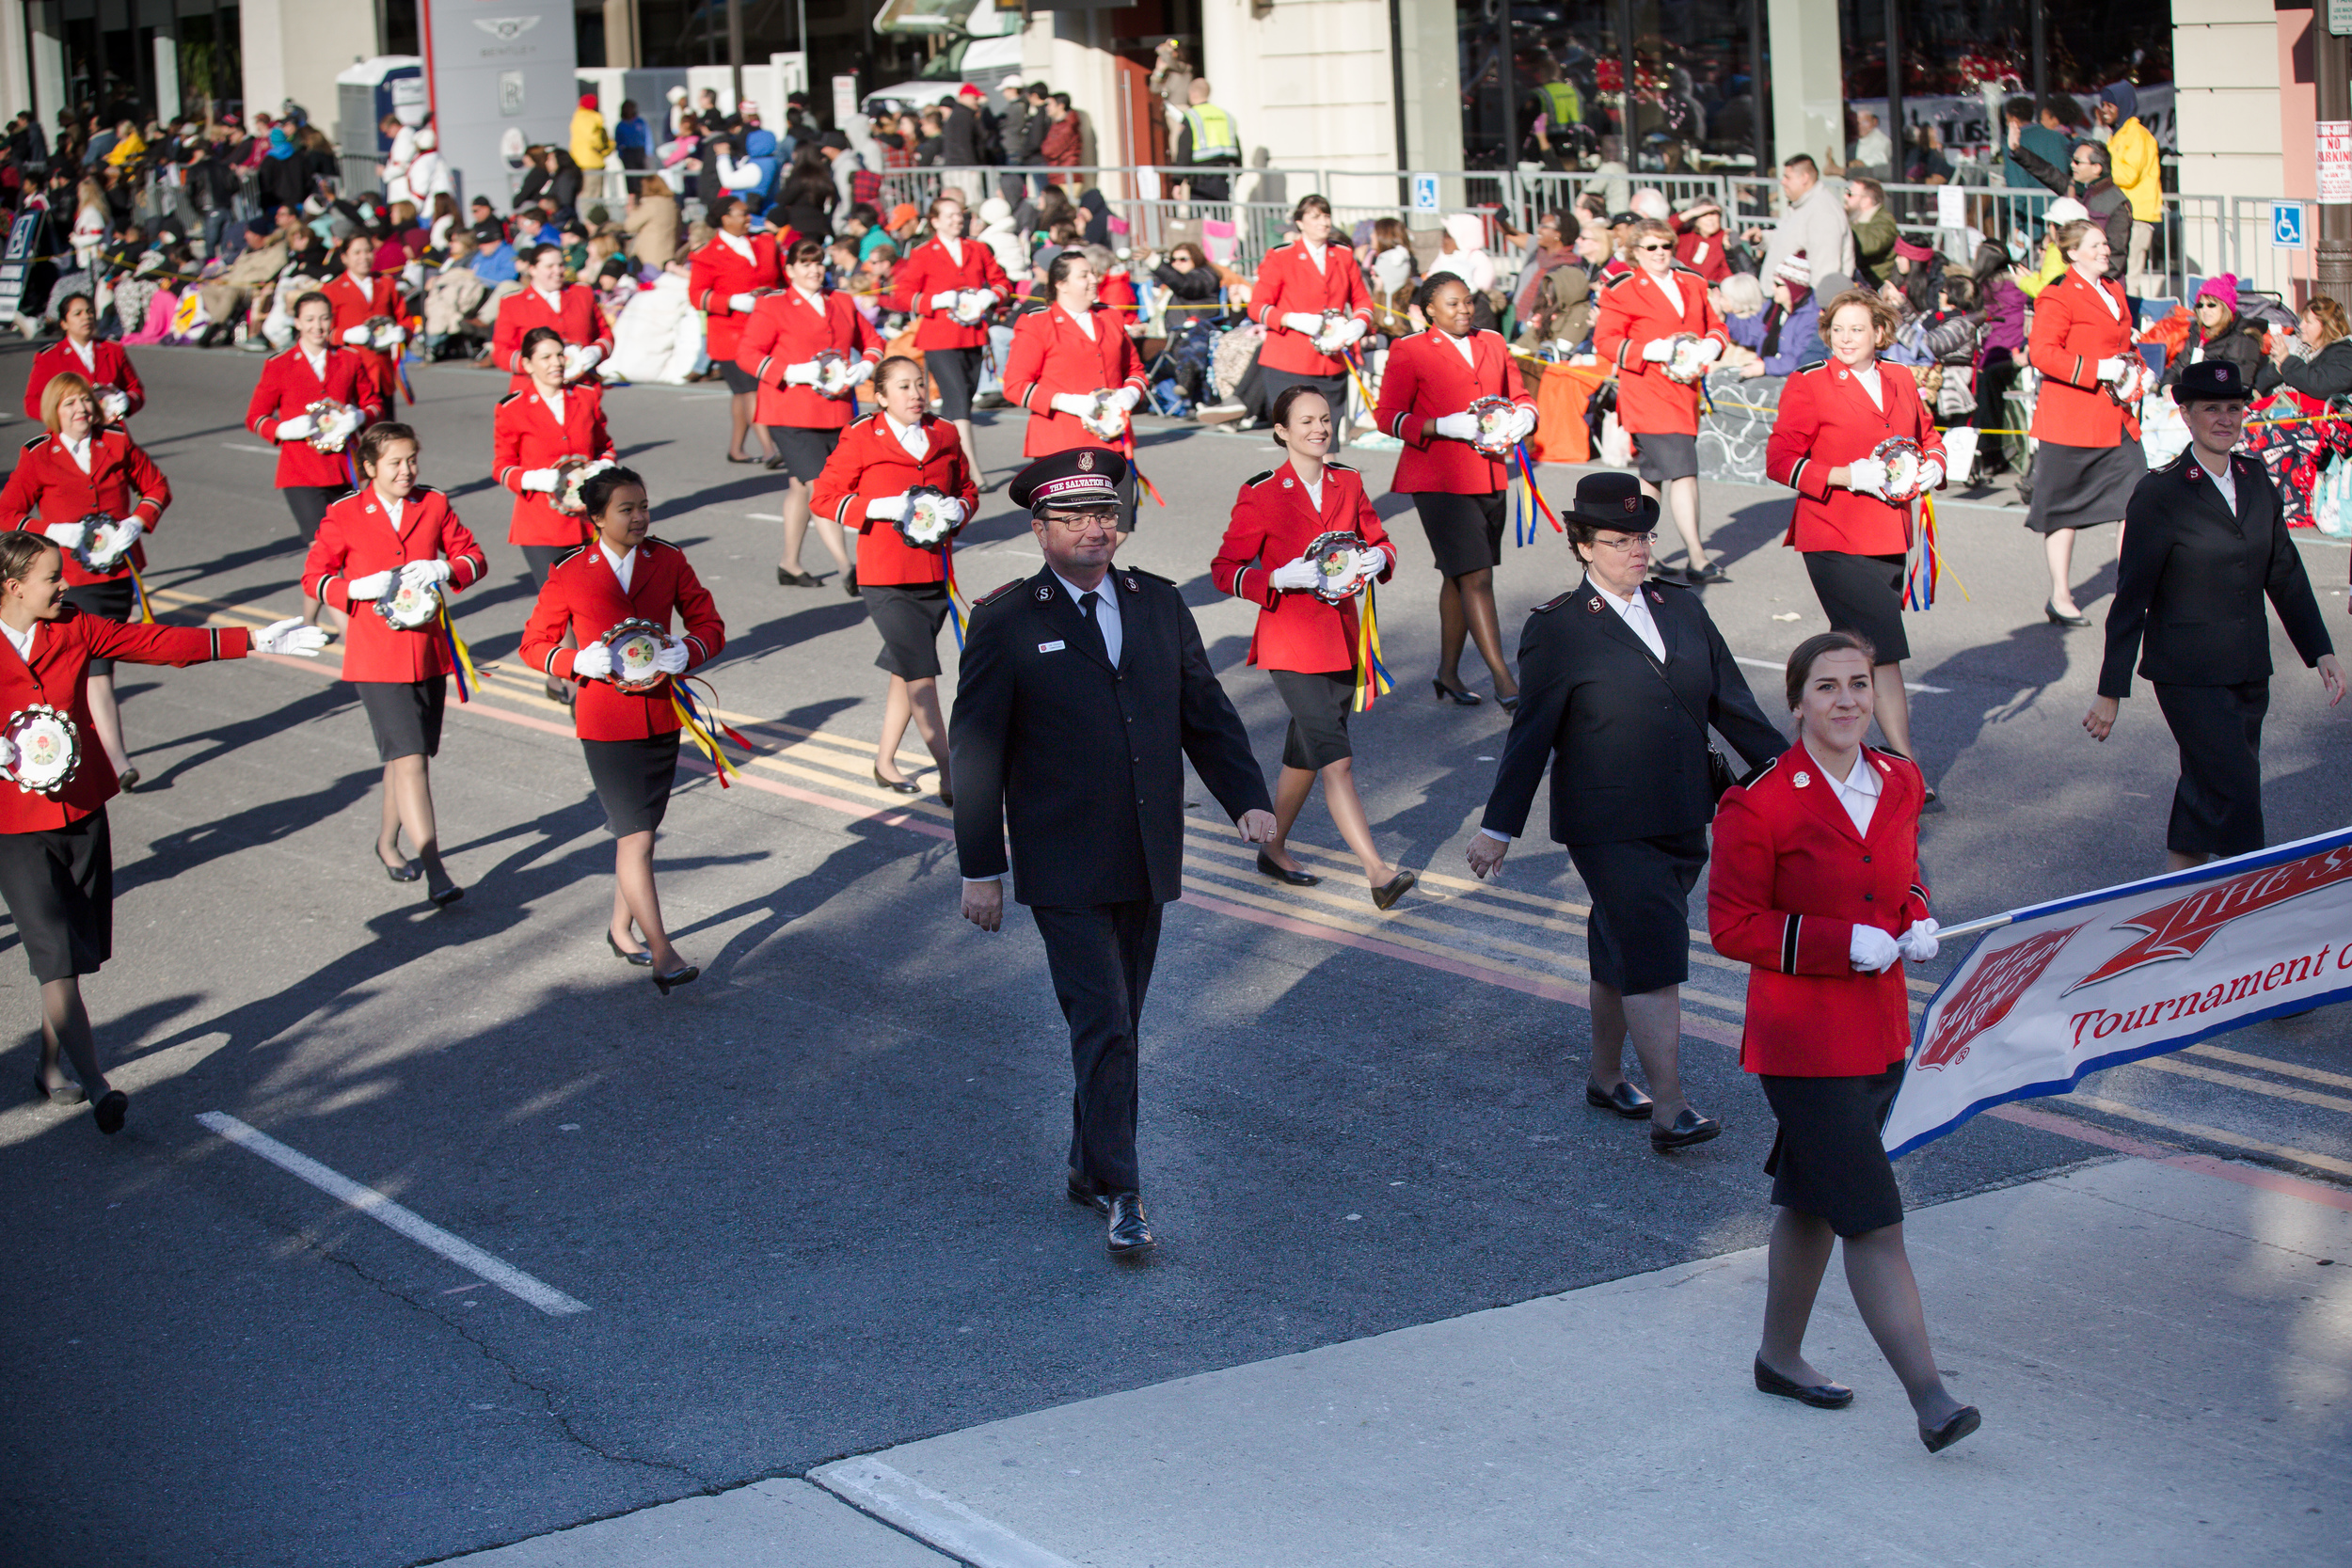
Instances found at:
x=408 y=606
x=332 y=424
x=572 y=475
x=1333 y=557
x=1905 y=468
x=1106 y=421
x=2132 y=383
x=635 y=646
x=114 y=404
x=48 y=749
x=1496 y=418
x=928 y=519
x=1686 y=357
x=106 y=539
x=972 y=306
x=385 y=333
x=833 y=374
x=1331 y=336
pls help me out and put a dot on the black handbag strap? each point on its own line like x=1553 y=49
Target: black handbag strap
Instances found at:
x=1649 y=659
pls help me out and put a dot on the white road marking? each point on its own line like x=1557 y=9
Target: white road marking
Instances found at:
x=234 y=446
x=377 y=1207
x=907 y=1504
x=1782 y=664
x=765 y=516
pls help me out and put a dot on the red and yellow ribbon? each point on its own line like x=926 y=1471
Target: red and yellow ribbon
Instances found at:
x=958 y=609
x=1372 y=676
x=1527 y=501
x=1926 y=572
x=1355 y=361
x=699 y=727
x=460 y=656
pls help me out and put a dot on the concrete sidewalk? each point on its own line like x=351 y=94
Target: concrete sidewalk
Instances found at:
x=2162 y=1358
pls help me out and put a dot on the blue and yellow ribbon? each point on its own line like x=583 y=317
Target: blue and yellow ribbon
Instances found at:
x=1926 y=572
x=1527 y=502
x=460 y=656
x=138 y=586
x=700 y=726
x=1372 y=676
x=958 y=610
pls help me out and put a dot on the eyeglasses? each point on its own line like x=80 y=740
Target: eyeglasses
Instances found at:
x=1626 y=545
x=1654 y=244
x=1078 y=522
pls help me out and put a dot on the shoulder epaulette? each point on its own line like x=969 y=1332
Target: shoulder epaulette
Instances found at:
x=1343 y=467
x=996 y=592
x=36 y=442
x=1256 y=479
x=1148 y=577
x=1554 y=602
x=566 y=558
x=508 y=397
x=651 y=542
x=1757 y=775
x=1612 y=280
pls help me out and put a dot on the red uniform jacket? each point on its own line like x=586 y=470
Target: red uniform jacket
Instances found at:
x=355 y=307
x=355 y=540
x=1274 y=521
x=58 y=676
x=109 y=367
x=576 y=317
x=1703 y=254
x=1790 y=882
x=871 y=463
x=2071 y=333
x=1050 y=354
x=1287 y=283
x=287 y=387
x=719 y=275
x=1425 y=380
x=1635 y=311
x=932 y=271
x=1827 y=421
x=585 y=597
x=525 y=435
x=123 y=482
x=785 y=330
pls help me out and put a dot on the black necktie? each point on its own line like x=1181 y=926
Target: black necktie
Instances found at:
x=1087 y=602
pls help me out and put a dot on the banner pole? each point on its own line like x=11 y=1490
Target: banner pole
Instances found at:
x=1973 y=928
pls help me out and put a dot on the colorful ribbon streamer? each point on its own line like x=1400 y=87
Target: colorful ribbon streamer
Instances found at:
x=958 y=609
x=460 y=656
x=700 y=724
x=1372 y=676
x=1526 y=500
x=1363 y=377
x=1926 y=572
x=138 y=586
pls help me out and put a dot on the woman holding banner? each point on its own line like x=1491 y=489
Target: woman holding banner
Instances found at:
x=1815 y=869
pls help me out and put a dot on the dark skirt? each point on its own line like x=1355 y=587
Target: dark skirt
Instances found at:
x=2083 y=487
x=739 y=380
x=1639 y=933
x=909 y=616
x=803 y=450
x=405 y=716
x=1319 y=703
x=2217 y=805
x=1333 y=388
x=112 y=600
x=633 y=780
x=1662 y=457
x=60 y=887
x=308 y=504
x=1827 y=1160
x=957 y=372
x=1465 y=531
x=542 y=559
x=1864 y=594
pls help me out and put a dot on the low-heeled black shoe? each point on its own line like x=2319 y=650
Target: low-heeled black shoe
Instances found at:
x=897 y=786
x=948 y=799
x=2050 y=609
x=128 y=780
x=1689 y=1128
x=732 y=458
x=64 y=1094
x=1820 y=1395
x=1627 y=1101
x=443 y=894
x=1710 y=573
x=1387 y=892
x=795 y=579
x=406 y=871
x=1293 y=879
x=665 y=984
x=1130 y=1233
x=114 y=1105
x=1964 y=1422
x=849 y=582
x=1081 y=1192
x=1508 y=705
x=1455 y=694
x=643 y=960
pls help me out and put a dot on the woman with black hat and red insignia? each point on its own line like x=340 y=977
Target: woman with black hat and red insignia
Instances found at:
x=726 y=280
x=2087 y=457
x=314 y=370
x=390 y=534
x=82 y=468
x=1311 y=648
x=361 y=296
x=57 y=859
x=869 y=484
x=630 y=738
x=932 y=283
x=1642 y=313
x=1426 y=390
x=96 y=361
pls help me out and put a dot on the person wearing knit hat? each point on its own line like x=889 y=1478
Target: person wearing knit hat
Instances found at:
x=2218 y=332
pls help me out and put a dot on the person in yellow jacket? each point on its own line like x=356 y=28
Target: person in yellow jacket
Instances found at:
x=2138 y=171
x=592 y=144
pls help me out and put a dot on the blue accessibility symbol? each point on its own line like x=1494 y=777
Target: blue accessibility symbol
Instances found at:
x=2286 y=225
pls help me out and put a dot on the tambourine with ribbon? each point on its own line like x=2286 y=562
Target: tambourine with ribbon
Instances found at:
x=114 y=404
x=324 y=413
x=972 y=306
x=1107 y=419
x=1329 y=338
x=106 y=542
x=1333 y=557
x=1685 y=360
x=833 y=374
x=385 y=333
x=926 y=524
x=636 y=643
x=48 y=749
x=2132 y=384
x=1906 y=466
x=1495 y=417
x=572 y=474
x=408 y=606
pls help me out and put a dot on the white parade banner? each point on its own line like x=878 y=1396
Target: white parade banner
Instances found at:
x=2064 y=988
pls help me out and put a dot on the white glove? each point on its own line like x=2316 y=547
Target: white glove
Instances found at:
x=579 y=361
x=1931 y=474
x=114 y=404
x=1301 y=320
x=953 y=511
x=945 y=299
x=424 y=574
x=66 y=536
x=670 y=660
x=7 y=754
x=742 y=304
x=1078 y=404
x=803 y=375
x=1522 y=422
x=1658 y=350
x=370 y=587
x=299 y=428
x=1919 y=944
x=2109 y=370
x=1865 y=476
x=1127 y=397
x=1296 y=577
x=995 y=296
x=1350 y=331
x=290 y=636
x=593 y=662
x=1710 y=350
x=398 y=334
x=543 y=480
x=1458 y=427
x=357 y=335
x=859 y=373
x=888 y=509
x=1370 y=563
x=342 y=425
x=1872 y=949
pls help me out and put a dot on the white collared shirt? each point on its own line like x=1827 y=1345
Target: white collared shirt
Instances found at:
x=913 y=437
x=1462 y=346
x=2224 y=480
x=622 y=566
x=740 y=244
x=80 y=450
x=2104 y=299
x=87 y=353
x=1858 y=791
x=1665 y=281
x=20 y=640
x=816 y=301
x=1871 y=383
x=317 y=356
x=954 y=248
x=555 y=300
x=554 y=402
x=1635 y=614
x=392 y=508
x=1105 y=610
x=1314 y=493
x=1314 y=253
x=1084 y=319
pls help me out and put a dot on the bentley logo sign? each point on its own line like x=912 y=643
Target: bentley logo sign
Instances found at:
x=506 y=29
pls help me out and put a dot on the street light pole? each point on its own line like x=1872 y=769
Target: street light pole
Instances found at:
x=734 y=48
x=2332 y=255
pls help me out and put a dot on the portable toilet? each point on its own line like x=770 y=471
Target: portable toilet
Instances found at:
x=366 y=90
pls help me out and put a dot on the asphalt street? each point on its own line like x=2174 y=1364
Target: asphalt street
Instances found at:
x=811 y=1204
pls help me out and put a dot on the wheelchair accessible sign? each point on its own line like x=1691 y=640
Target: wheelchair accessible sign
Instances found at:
x=2286 y=225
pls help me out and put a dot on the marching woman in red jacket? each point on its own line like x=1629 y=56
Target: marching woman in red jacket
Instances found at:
x=546 y=300
x=2086 y=461
x=1852 y=521
x=1816 y=887
x=96 y=361
x=866 y=485
x=1069 y=359
x=630 y=738
x=935 y=283
x=79 y=469
x=361 y=296
x=806 y=400
x=1642 y=313
x=1296 y=283
x=314 y=370
x=1307 y=644
x=1426 y=391
x=57 y=859
x=725 y=281
x=389 y=534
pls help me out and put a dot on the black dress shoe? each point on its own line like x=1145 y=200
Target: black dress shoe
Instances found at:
x=795 y=579
x=1820 y=1395
x=443 y=892
x=115 y=1105
x=2050 y=609
x=665 y=984
x=849 y=582
x=64 y=1094
x=1293 y=879
x=1078 y=1190
x=406 y=871
x=1455 y=694
x=1130 y=1233
x=129 y=780
x=1964 y=1422
x=897 y=786
x=1627 y=1101
x=1689 y=1128
x=1387 y=892
x=1508 y=705
x=1711 y=572
x=643 y=960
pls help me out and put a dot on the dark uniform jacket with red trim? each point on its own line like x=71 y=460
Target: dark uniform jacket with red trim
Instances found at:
x=785 y=330
x=525 y=435
x=574 y=318
x=584 y=596
x=1050 y=354
x=108 y=367
x=1790 y=881
x=1290 y=283
x=356 y=539
x=1828 y=420
x=931 y=272
x=1628 y=759
x=2072 y=332
x=871 y=464
x=47 y=486
x=1274 y=521
x=717 y=274
x=288 y=388
x=1427 y=378
x=1634 y=311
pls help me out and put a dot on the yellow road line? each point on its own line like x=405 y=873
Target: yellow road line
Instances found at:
x=2288 y=1069
x=2252 y=1085
x=2212 y=1134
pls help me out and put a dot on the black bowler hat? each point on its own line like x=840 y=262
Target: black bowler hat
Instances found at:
x=2211 y=381
x=1612 y=500
x=1081 y=477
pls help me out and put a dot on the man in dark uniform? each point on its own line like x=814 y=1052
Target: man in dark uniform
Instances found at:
x=1083 y=689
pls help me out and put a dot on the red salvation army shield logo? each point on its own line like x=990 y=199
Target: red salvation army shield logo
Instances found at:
x=1988 y=996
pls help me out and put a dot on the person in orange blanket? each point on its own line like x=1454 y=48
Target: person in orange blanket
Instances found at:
x=77 y=469
x=546 y=300
x=2086 y=459
x=56 y=857
x=1305 y=642
x=1853 y=519
x=388 y=535
x=805 y=412
x=943 y=283
x=1296 y=283
x=1074 y=361
x=866 y=485
x=1816 y=886
x=361 y=296
x=630 y=738
x=1642 y=314
x=1426 y=391
x=725 y=281
x=96 y=361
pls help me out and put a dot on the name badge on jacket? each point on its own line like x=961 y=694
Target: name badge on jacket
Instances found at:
x=1051 y=647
